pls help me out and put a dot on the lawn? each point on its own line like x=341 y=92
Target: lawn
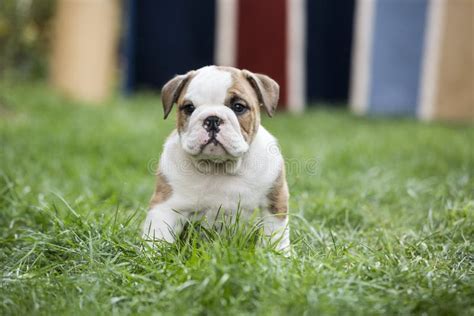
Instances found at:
x=382 y=217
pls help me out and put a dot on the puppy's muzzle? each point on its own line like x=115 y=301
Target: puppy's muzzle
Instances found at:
x=211 y=125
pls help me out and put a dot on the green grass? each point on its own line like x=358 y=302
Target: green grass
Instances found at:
x=382 y=217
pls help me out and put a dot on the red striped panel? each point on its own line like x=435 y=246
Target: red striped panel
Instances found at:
x=261 y=39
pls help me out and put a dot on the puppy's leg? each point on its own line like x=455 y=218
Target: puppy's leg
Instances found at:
x=277 y=232
x=163 y=223
x=275 y=219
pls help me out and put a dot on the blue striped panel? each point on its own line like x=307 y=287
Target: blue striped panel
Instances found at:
x=397 y=56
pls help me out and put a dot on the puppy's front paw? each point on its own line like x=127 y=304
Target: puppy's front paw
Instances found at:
x=277 y=234
x=162 y=224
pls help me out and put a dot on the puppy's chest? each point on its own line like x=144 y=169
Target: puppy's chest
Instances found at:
x=208 y=193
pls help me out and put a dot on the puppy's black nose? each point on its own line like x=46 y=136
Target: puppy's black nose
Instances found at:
x=211 y=123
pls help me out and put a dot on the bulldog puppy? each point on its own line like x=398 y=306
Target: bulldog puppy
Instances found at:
x=219 y=158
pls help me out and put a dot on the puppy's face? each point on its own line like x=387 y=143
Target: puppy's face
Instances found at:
x=218 y=110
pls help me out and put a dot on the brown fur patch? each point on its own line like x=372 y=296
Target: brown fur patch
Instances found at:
x=243 y=91
x=182 y=118
x=278 y=196
x=172 y=90
x=267 y=90
x=163 y=190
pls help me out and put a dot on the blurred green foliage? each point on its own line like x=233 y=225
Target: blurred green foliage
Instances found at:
x=25 y=33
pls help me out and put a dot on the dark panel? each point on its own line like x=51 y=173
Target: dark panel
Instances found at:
x=261 y=40
x=329 y=44
x=169 y=38
x=127 y=47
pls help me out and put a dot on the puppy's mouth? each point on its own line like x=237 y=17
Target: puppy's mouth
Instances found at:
x=212 y=144
x=214 y=147
x=212 y=140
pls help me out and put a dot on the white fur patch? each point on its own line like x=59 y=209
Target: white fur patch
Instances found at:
x=209 y=86
x=248 y=188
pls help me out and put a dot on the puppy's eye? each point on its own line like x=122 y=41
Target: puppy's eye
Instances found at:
x=188 y=109
x=239 y=108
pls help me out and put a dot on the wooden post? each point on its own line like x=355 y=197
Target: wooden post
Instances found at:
x=84 y=52
x=448 y=78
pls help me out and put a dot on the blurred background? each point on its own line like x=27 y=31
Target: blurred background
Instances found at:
x=377 y=57
x=382 y=204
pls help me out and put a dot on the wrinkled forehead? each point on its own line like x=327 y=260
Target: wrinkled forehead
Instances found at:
x=209 y=86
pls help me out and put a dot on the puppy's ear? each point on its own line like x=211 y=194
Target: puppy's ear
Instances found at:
x=268 y=91
x=172 y=90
